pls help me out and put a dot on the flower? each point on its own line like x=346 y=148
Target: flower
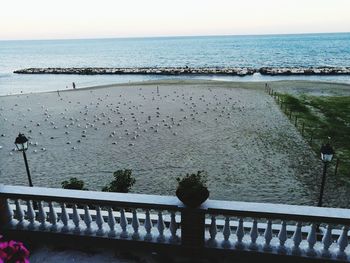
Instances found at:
x=13 y=251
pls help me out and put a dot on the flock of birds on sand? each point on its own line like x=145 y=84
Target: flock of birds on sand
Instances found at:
x=124 y=119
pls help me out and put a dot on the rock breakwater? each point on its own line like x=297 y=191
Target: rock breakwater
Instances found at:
x=239 y=71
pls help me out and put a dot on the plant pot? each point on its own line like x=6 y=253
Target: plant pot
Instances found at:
x=192 y=198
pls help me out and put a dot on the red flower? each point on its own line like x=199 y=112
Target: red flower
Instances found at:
x=13 y=251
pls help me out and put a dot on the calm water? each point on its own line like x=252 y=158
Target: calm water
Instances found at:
x=250 y=51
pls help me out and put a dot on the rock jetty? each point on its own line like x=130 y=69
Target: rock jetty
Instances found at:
x=239 y=71
x=156 y=70
x=305 y=71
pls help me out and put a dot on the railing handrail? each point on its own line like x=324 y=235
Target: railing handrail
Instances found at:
x=90 y=197
x=279 y=211
x=217 y=207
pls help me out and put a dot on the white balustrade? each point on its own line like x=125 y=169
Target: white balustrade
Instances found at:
x=135 y=225
x=19 y=215
x=111 y=223
x=226 y=232
x=278 y=229
x=240 y=233
x=64 y=218
x=160 y=227
x=148 y=226
x=268 y=235
x=31 y=216
x=87 y=221
x=76 y=220
x=99 y=221
x=297 y=238
x=254 y=234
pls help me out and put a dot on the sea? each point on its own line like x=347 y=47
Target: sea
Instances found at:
x=299 y=50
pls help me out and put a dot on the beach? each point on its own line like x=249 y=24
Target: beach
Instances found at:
x=163 y=129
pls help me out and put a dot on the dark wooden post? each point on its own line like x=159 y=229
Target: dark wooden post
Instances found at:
x=302 y=129
x=296 y=121
x=290 y=114
x=192 y=228
x=336 y=166
x=312 y=133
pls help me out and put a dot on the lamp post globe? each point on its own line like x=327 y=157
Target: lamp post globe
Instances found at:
x=21 y=143
x=327 y=153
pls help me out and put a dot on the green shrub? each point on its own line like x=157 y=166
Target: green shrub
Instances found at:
x=73 y=183
x=122 y=182
x=192 y=182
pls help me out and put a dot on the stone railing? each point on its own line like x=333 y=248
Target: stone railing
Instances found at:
x=229 y=227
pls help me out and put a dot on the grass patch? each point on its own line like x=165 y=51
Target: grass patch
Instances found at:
x=323 y=117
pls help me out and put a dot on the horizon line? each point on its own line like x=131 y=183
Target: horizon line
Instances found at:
x=175 y=36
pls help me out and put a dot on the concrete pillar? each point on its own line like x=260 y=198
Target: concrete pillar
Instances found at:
x=192 y=228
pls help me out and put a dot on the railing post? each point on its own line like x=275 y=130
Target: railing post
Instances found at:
x=192 y=227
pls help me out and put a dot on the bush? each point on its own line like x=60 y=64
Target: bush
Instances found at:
x=192 y=182
x=122 y=182
x=73 y=183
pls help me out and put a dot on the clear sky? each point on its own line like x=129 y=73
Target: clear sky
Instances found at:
x=50 y=19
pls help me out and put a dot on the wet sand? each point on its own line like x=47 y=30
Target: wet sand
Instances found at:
x=234 y=131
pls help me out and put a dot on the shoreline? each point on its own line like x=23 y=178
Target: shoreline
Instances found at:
x=231 y=71
x=328 y=85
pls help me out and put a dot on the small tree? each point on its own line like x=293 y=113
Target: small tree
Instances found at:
x=122 y=182
x=73 y=183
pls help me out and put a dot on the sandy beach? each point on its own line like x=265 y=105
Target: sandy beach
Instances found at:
x=233 y=131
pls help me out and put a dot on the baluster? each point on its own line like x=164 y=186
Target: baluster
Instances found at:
x=135 y=223
x=19 y=215
x=213 y=230
x=254 y=234
x=111 y=223
x=282 y=236
x=87 y=221
x=342 y=242
x=173 y=228
x=123 y=224
x=76 y=220
x=53 y=218
x=31 y=216
x=64 y=218
x=226 y=232
x=240 y=233
x=327 y=241
x=297 y=237
x=42 y=216
x=148 y=226
x=311 y=239
x=268 y=235
x=160 y=227
x=99 y=222
x=9 y=215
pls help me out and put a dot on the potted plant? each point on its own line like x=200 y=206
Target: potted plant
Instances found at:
x=13 y=251
x=192 y=189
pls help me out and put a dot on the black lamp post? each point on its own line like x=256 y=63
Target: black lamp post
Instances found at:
x=22 y=146
x=326 y=157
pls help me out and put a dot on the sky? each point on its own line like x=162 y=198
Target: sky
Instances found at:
x=67 y=19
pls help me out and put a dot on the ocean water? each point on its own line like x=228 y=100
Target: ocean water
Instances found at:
x=244 y=51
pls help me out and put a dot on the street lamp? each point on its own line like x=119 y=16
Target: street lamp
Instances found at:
x=326 y=157
x=22 y=146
